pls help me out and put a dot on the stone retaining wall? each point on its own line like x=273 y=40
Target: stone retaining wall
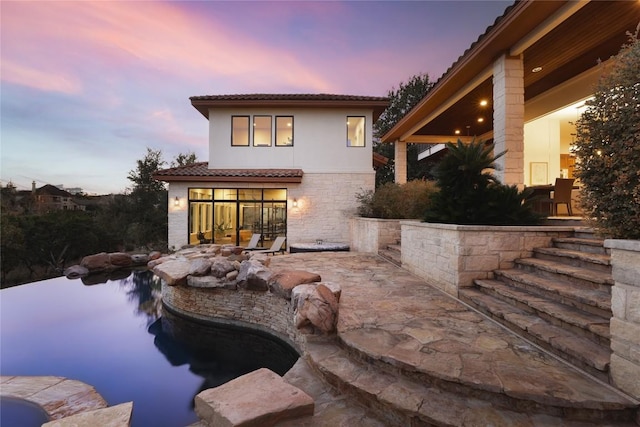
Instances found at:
x=625 y=323
x=258 y=310
x=450 y=256
x=372 y=234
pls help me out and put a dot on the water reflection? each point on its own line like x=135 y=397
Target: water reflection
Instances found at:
x=117 y=337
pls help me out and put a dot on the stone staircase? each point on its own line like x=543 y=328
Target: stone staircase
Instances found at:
x=392 y=253
x=559 y=299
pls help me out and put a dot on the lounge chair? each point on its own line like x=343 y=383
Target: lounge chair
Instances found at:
x=253 y=242
x=275 y=247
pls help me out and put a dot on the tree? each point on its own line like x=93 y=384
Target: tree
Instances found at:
x=401 y=101
x=608 y=147
x=147 y=222
x=184 y=159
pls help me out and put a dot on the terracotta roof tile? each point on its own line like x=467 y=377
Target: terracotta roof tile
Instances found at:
x=201 y=172
x=289 y=97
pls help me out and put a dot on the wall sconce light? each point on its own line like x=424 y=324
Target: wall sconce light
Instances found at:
x=295 y=203
x=176 y=202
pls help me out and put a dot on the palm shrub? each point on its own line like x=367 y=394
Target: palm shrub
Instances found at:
x=469 y=193
x=608 y=148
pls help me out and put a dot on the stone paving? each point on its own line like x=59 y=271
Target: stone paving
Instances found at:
x=406 y=345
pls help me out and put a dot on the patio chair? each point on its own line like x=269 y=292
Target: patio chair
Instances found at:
x=562 y=195
x=253 y=242
x=275 y=247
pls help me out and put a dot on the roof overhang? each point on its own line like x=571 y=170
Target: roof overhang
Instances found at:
x=565 y=38
x=200 y=172
x=374 y=103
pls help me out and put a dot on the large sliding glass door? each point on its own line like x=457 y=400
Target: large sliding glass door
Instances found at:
x=232 y=216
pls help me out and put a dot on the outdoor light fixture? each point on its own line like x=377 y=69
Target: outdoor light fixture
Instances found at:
x=536 y=70
x=457 y=131
x=176 y=202
x=480 y=119
x=295 y=203
x=483 y=103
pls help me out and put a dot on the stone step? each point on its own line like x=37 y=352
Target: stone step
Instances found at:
x=391 y=255
x=593 y=301
x=402 y=398
x=594 y=245
x=585 y=354
x=395 y=247
x=575 y=258
x=583 y=324
x=590 y=279
x=585 y=233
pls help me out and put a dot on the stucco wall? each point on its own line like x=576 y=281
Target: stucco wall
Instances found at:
x=450 y=256
x=625 y=323
x=319 y=142
x=326 y=202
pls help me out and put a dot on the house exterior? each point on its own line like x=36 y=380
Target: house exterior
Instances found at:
x=49 y=198
x=522 y=85
x=279 y=165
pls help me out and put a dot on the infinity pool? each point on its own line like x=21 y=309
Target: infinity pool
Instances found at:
x=117 y=337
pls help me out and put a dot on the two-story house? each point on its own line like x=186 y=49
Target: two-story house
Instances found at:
x=279 y=165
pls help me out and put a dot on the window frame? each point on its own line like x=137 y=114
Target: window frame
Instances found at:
x=292 y=132
x=364 y=131
x=248 y=117
x=253 y=121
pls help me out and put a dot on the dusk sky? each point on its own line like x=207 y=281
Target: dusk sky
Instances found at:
x=86 y=87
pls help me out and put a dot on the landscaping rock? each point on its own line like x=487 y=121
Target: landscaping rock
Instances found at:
x=76 y=271
x=140 y=259
x=283 y=282
x=200 y=267
x=315 y=305
x=173 y=272
x=154 y=255
x=206 y=282
x=113 y=416
x=220 y=267
x=97 y=262
x=259 y=399
x=120 y=259
x=253 y=276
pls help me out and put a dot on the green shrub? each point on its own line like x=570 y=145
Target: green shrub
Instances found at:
x=470 y=194
x=397 y=201
x=608 y=148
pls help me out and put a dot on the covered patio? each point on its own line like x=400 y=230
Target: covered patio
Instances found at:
x=521 y=85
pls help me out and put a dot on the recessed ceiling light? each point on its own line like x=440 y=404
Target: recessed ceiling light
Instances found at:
x=457 y=131
x=480 y=119
x=536 y=70
x=483 y=103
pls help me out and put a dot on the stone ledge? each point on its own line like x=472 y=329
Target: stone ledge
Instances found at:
x=261 y=398
x=114 y=416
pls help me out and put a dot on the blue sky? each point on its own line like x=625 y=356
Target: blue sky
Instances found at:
x=86 y=87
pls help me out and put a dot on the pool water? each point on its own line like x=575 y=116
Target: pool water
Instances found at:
x=117 y=337
x=21 y=413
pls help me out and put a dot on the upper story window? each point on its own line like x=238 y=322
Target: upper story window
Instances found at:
x=355 y=131
x=284 y=131
x=240 y=131
x=261 y=131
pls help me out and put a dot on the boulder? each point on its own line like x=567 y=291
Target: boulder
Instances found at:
x=200 y=267
x=140 y=259
x=97 y=262
x=258 y=399
x=120 y=259
x=220 y=267
x=316 y=306
x=76 y=271
x=205 y=282
x=173 y=272
x=283 y=282
x=253 y=276
x=154 y=255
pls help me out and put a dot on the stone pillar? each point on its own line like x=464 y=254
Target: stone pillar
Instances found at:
x=625 y=323
x=400 y=154
x=508 y=118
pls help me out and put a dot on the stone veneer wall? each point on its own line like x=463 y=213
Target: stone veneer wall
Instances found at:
x=450 y=256
x=326 y=202
x=258 y=310
x=625 y=323
x=372 y=234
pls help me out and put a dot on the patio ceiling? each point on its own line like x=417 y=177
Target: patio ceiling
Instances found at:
x=564 y=38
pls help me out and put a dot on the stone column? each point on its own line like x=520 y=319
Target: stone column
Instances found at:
x=508 y=118
x=400 y=154
x=625 y=323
